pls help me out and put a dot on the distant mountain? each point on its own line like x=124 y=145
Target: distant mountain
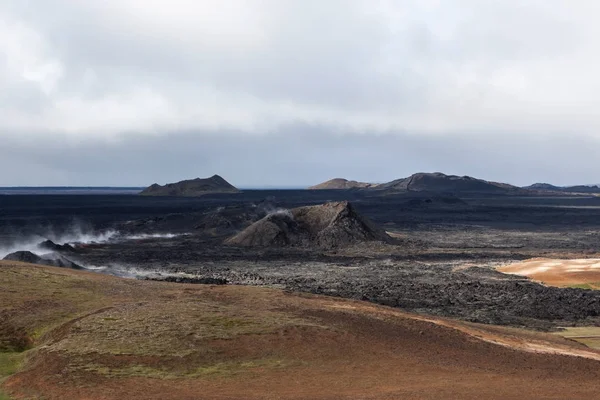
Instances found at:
x=191 y=188
x=543 y=186
x=439 y=182
x=546 y=187
x=426 y=182
x=340 y=183
x=583 y=189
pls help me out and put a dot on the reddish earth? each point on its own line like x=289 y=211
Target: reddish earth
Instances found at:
x=103 y=338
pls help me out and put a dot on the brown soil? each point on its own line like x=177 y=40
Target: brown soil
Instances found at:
x=555 y=272
x=99 y=337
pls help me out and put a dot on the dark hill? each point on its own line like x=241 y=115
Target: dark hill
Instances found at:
x=328 y=225
x=546 y=187
x=438 y=182
x=582 y=189
x=191 y=188
x=51 y=246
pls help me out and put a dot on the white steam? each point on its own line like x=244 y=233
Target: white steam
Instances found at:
x=31 y=244
x=75 y=235
x=125 y=271
x=152 y=236
x=122 y=271
x=87 y=237
x=270 y=209
x=281 y=212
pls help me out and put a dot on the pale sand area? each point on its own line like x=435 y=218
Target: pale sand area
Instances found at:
x=582 y=273
x=554 y=272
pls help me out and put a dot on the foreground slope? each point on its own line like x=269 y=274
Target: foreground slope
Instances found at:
x=191 y=188
x=91 y=336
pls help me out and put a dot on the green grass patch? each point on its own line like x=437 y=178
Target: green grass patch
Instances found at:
x=589 y=286
x=586 y=286
x=175 y=328
x=9 y=364
x=4 y=396
x=592 y=343
x=222 y=369
x=589 y=336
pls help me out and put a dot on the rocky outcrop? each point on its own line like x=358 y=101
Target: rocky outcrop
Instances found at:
x=340 y=183
x=53 y=260
x=51 y=246
x=191 y=188
x=327 y=226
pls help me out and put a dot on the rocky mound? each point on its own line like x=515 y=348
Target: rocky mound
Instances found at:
x=191 y=188
x=329 y=225
x=340 y=183
x=53 y=260
x=438 y=182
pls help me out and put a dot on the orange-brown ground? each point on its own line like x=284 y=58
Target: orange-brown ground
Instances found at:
x=555 y=272
x=99 y=337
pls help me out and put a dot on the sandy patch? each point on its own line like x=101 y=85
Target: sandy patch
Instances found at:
x=576 y=272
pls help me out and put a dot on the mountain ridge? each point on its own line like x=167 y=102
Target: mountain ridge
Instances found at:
x=433 y=182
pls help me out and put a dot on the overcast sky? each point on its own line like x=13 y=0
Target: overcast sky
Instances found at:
x=295 y=92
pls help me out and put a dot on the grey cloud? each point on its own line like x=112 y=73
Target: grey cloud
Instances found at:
x=293 y=92
x=311 y=155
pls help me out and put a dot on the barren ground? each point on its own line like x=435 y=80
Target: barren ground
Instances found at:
x=87 y=336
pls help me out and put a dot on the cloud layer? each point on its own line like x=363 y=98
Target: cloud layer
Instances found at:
x=290 y=92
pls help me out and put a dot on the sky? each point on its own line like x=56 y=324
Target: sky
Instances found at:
x=290 y=93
